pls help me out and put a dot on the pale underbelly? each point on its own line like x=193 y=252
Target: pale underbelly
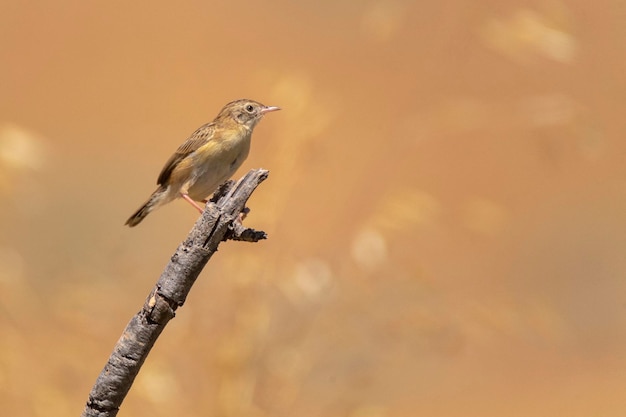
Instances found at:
x=207 y=178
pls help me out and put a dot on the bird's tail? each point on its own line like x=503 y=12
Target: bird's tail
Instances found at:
x=155 y=200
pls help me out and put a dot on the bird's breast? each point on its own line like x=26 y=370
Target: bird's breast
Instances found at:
x=217 y=161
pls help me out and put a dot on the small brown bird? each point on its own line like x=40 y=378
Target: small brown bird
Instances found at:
x=209 y=157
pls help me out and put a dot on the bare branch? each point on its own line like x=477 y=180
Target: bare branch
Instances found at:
x=220 y=221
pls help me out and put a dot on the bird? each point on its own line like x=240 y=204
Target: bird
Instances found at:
x=209 y=157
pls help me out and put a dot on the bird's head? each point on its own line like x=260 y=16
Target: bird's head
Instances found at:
x=245 y=112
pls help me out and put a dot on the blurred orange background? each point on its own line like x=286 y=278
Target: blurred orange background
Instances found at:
x=446 y=206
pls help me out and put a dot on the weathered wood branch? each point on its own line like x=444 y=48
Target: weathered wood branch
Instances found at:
x=219 y=222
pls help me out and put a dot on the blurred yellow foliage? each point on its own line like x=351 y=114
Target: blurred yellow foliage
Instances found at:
x=445 y=208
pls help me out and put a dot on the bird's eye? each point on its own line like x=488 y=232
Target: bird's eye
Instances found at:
x=249 y=108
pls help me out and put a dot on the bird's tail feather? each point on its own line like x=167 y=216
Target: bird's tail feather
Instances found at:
x=155 y=200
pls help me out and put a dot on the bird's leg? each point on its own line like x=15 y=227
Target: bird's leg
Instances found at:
x=239 y=219
x=193 y=203
x=243 y=214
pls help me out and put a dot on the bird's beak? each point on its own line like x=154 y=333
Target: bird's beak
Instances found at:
x=269 y=109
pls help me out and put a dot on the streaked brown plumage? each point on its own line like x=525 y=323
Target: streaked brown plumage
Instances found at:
x=209 y=157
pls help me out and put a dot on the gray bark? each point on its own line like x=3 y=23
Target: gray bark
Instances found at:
x=219 y=222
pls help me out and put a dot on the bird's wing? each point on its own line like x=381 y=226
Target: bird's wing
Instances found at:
x=196 y=140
